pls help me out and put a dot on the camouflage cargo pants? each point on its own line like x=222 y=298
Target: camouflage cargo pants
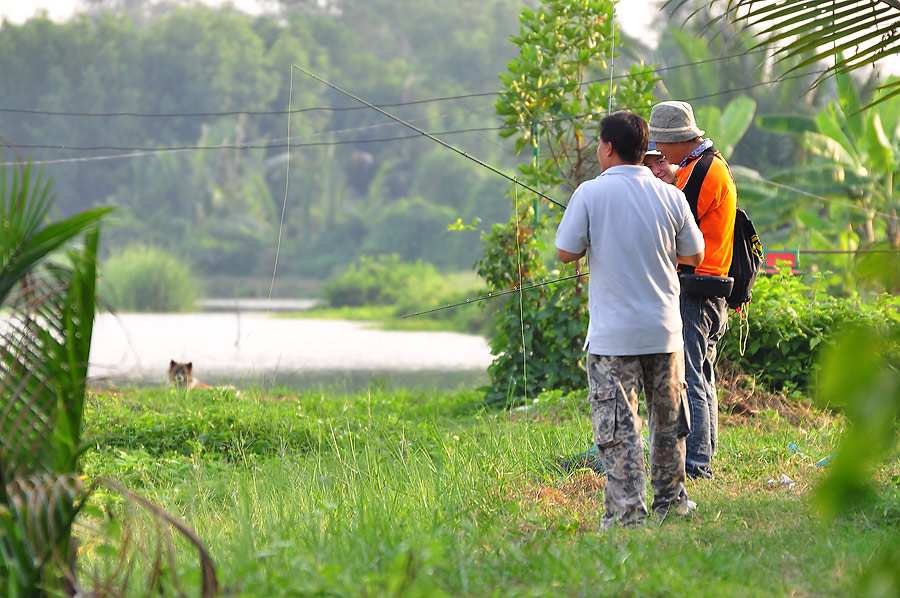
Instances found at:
x=615 y=384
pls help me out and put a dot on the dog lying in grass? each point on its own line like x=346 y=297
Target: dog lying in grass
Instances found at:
x=181 y=375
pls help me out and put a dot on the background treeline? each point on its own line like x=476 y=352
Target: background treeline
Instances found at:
x=177 y=116
x=119 y=101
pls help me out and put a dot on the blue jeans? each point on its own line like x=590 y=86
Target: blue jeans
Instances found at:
x=704 y=321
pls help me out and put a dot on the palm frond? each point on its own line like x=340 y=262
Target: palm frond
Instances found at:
x=156 y=552
x=45 y=345
x=35 y=520
x=847 y=34
x=43 y=358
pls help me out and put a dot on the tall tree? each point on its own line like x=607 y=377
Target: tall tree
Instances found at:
x=553 y=93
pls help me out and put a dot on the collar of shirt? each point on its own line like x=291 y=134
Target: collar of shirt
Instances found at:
x=707 y=143
x=631 y=169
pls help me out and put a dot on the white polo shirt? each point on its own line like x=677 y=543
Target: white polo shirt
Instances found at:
x=632 y=225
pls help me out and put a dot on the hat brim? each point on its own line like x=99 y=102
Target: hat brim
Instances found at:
x=658 y=135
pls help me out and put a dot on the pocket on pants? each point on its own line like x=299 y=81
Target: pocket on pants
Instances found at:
x=603 y=416
x=684 y=413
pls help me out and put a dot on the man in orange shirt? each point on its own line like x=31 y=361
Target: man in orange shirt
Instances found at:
x=713 y=199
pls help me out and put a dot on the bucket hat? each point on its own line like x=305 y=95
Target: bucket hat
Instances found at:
x=671 y=122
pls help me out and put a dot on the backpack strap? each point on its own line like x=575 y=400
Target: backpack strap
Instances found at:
x=695 y=179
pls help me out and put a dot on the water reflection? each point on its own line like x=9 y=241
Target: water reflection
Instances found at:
x=254 y=349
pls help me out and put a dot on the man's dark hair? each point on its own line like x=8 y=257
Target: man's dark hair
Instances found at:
x=628 y=134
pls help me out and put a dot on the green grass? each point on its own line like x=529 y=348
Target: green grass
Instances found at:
x=399 y=493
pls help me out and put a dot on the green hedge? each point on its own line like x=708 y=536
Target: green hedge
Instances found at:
x=790 y=320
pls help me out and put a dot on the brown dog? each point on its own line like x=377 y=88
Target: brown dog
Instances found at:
x=181 y=375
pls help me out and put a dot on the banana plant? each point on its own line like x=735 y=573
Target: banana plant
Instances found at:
x=727 y=127
x=851 y=160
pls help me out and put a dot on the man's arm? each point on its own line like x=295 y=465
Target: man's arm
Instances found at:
x=689 y=260
x=567 y=256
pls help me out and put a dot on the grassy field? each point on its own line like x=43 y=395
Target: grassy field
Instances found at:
x=398 y=493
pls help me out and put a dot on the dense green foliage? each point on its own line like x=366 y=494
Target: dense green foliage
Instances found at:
x=190 y=102
x=175 y=114
x=565 y=45
x=147 y=279
x=397 y=493
x=789 y=323
x=869 y=393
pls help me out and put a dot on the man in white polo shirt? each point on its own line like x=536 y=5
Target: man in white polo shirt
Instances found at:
x=633 y=228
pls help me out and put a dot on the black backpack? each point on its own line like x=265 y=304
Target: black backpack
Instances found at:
x=748 y=251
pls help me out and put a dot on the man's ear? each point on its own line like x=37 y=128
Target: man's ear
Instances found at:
x=604 y=149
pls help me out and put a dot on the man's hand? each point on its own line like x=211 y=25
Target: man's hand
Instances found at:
x=566 y=257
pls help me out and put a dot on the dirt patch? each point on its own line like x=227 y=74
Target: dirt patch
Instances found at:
x=740 y=396
x=580 y=495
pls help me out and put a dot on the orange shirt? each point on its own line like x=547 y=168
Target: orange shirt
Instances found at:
x=716 y=208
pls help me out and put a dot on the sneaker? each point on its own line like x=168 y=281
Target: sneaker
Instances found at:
x=608 y=524
x=699 y=474
x=685 y=507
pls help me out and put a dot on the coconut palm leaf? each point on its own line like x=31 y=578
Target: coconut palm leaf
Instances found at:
x=27 y=238
x=45 y=340
x=43 y=358
x=40 y=512
x=852 y=33
x=44 y=352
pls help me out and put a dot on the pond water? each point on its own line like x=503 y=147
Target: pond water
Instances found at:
x=253 y=349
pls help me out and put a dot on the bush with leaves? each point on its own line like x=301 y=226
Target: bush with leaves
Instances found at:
x=147 y=279
x=384 y=280
x=552 y=94
x=790 y=321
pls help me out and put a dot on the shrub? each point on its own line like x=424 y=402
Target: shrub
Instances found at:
x=383 y=280
x=790 y=321
x=147 y=279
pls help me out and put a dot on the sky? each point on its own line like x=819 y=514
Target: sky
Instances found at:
x=60 y=10
x=634 y=15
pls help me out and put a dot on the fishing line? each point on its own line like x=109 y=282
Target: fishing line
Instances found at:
x=287 y=181
x=269 y=144
x=345 y=109
x=427 y=134
x=494 y=295
x=822 y=198
x=612 y=63
x=521 y=301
